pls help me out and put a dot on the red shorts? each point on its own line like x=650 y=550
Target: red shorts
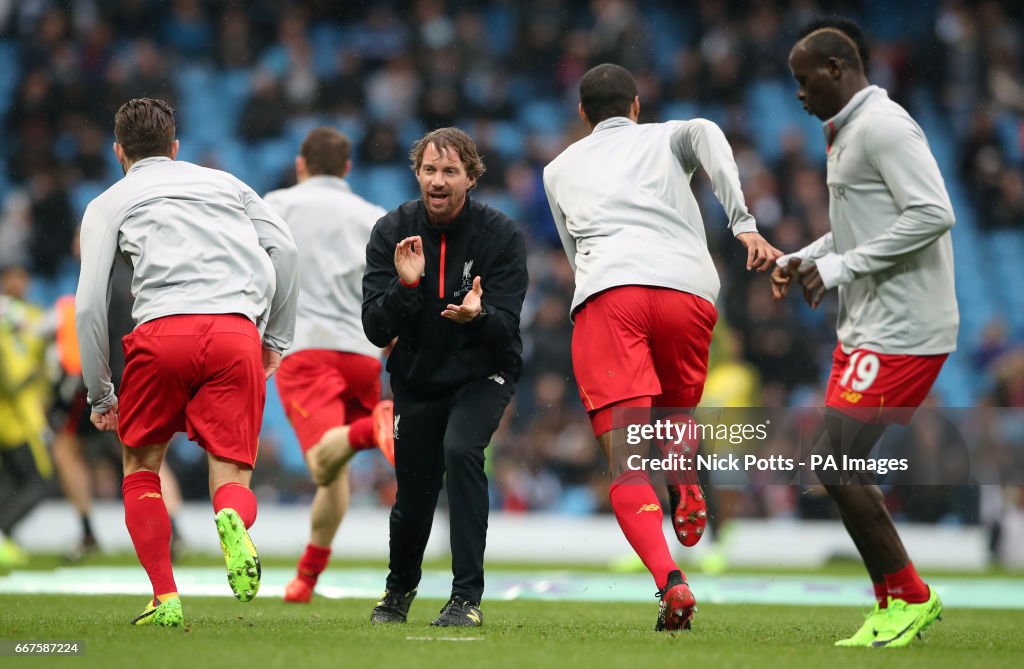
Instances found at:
x=879 y=388
x=639 y=341
x=323 y=389
x=198 y=374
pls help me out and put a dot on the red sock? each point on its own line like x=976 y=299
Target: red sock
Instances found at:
x=640 y=517
x=905 y=584
x=881 y=595
x=236 y=496
x=312 y=563
x=686 y=447
x=150 y=528
x=360 y=434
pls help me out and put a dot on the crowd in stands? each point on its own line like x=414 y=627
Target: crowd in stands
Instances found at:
x=250 y=78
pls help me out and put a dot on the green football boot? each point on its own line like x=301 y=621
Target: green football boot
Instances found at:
x=905 y=621
x=164 y=614
x=12 y=556
x=240 y=556
x=868 y=631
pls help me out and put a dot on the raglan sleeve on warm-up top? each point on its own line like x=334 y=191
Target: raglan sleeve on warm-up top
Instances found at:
x=898 y=150
x=387 y=302
x=504 y=289
x=701 y=143
x=276 y=239
x=568 y=241
x=98 y=242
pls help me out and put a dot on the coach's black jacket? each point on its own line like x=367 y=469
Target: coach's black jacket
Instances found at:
x=434 y=353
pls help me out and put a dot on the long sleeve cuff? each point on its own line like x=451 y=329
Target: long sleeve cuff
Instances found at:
x=102 y=406
x=746 y=224
x=801 y=255
x=833 y=270
x=273 y=345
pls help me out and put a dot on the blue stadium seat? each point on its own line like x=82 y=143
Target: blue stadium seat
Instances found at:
x=501 y=201
x=501 y=28
x=982 y=295
x=713 y=112
x=297 y=127
x=357 y=180
x=769 y=102
x=233 y=157
x=544 y=116
x=679 y=110
x=352 y=126
x=212 y=104
x=410 y=131
x=234 y=87
x=956 y=385
x=1009 y=127
x=326 y=38
x=914 y=20
x=10 y=73
x=270 y=159
x=82 y=194
x=1003 y=248
x=387 y=186
x=199 y=116
x=668 y=33
x=508 y=139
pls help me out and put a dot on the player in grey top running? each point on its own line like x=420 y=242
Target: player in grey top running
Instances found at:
x=215 y=281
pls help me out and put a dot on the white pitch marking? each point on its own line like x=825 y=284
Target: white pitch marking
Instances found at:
x=444 y=638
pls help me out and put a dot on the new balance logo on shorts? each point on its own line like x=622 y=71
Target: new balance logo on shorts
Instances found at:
x=497 y=378
x=397 y=418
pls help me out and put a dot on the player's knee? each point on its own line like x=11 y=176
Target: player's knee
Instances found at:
x=147 y=458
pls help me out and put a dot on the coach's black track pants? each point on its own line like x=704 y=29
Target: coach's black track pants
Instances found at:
x=435 y=435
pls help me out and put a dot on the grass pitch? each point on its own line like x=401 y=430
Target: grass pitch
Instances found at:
x=336 y=633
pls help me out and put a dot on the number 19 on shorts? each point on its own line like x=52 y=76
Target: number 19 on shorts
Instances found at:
x=861 y=371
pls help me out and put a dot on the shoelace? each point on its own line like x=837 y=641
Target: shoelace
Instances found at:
x=895 y=606
x=453 y=602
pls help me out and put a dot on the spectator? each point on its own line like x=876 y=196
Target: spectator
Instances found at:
x=264 y=115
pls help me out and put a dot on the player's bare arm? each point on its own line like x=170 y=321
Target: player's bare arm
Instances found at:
x=761 y=255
